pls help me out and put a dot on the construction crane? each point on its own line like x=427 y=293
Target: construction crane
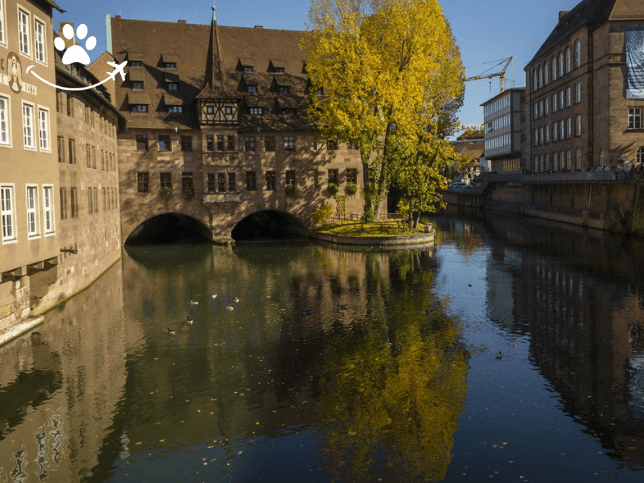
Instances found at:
x=500 y=74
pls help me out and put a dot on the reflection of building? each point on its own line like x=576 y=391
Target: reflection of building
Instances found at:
x=579 y=110
x=218 y=114
x=28 y=170
x=470 y=146
x=502 y=116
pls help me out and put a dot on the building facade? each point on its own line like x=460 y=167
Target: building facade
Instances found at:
x=502 y=118
x=29 y=247
x=217 y=126
x=580 y=112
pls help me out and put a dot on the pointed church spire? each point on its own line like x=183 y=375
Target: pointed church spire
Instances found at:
x=215 y=81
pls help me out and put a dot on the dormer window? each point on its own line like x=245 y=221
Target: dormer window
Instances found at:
x=248 y=68
x=169 y=61
x=256 y=111
x=134 y=60
x=175 y=109
x=247 y=65
x=170 y=65
x=279 y=70
x=136 y=77
x=137 y=85
x=283 y=89
x=173 y=86
x=135 y=63
x=251 y=89
x=138 y=101
x=138 y=108
x=278 y=66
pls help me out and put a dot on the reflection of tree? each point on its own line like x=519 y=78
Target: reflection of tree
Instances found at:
x=391 y=392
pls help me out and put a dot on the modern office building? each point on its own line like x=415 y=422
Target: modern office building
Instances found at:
x=502 y=118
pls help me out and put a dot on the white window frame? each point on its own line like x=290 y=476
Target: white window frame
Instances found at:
x=568 y=96
x=32 y=211
x=3 y=23
x=48 y=209
x=554 y=68
x=578 y=93
x=568 y=60
x=5 y=119
x=28 y=128
x=569 y=128
x=578 y=53
x=24 y=37
x=42 y=58
x=635 y=115
x=546 y=74
x=43 y=130
x=8 y=213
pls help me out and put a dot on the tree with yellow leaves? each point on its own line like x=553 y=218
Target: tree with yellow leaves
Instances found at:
x=391 y=78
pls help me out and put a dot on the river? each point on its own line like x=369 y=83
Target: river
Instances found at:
x=513 y=350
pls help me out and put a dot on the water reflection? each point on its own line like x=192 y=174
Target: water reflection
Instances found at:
x=578 y=295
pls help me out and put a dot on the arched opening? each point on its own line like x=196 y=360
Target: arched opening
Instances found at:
x=268 y=224
x=170 y=229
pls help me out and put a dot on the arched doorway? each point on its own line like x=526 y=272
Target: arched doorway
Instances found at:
x=170 y=229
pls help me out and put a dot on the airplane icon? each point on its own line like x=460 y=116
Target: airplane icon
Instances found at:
x=118 y=69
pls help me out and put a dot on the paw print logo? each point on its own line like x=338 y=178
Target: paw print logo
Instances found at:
x=75 y=53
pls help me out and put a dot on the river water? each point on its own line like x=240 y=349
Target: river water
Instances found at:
x=527 y=366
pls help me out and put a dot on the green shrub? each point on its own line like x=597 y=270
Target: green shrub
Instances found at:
x=321 y=215
x=333 y=188
x=351 y=189
x=290 y=190
x=166 y=194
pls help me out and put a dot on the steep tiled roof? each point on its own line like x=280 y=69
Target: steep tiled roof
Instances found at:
x=193 y=45
x=589 y=13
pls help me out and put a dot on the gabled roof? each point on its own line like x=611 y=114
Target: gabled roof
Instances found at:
x=588 y=13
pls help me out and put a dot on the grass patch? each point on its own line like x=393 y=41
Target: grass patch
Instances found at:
x=375 y=229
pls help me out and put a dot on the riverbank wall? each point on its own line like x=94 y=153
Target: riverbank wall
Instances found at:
x=615 y=205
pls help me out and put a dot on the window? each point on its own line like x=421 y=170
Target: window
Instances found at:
x=545 y=74
x=28 y=125
x=332 y=176
x=143 y=182
x=186 y=181
x=43 y=124
x=554 y=103
x=352 y=176
x=173 y=86
x=561 y=64
x=137 y=85
x=290 y=177
x=541 y=108
x=170 y=65
x=164 y=143
x=555 y=132
x=230 y=143
x=554 y=68
x=48 y=208
x=578 y=126
x=561 y=100
x=578 y=93
x=568 y=61
x=228 y=110
x=138 y=108
x=211 y=182
x=247 y=68
x=3 y=39
x=94 y=157
x=4 y=113
x=165 y=180
x=251 y=89
x=289 y=143
x=186 y=143
x=175 y=109
x=73 y=202
x=23 y=33
x=568 y=96
x=547 y=133
x=102 y=160
x=88 y=155
x=271 y=180
x=90 y=201
x=210 y=110
x=635 y=118
x=578 y=160
x=231 y=182
x=221 y=182
x=88 y=113
x=256 y=111
x=569 y=128
x=640 y=155
x=562 y=132
x=555 y=160
x=39 y=34
x=534 y=80
x=71 y=151
x=283 y=89
x=540 y=77
x=142 y=142
x=135 y=63
x=278 y=70
x=547 y=105
x=210 y=143
x=70 y=106
x=251 y=180
x=249 y=143
x=6 y=205
x=541 y=135
x=63 y=204
x=568 y=159
x=269 y=143
x=32 y=211
x=220 y=142
x=578 y=53
x=61 y=149
x=536 y=137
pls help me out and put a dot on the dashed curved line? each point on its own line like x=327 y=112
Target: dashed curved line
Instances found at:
x=66 y=88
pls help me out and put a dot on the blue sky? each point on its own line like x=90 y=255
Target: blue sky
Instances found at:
x=485 y=30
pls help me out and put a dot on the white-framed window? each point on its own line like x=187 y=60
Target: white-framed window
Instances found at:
x=40 y=42
x=578 y=93
x=568 y=60
x=561 y=99
x=540 y=77
x=562 y=129
x=569 y=130
x=561 y=64
x=547 y=106
x=635 y=118
x=5 y=115
x=3 y=35
x=28 y=125
x=547 y=133
x=578 y=125
x=578 y=53
x=43 y=128
x=546 y=75
x=32 y=211
x=24 y=37
x=48 y=208
x=9 y=232
x=554 y=103
x=640 y=155
x=541 y=135
x=554 y=68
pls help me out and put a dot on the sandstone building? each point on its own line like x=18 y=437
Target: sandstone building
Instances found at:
x=580 y=111
x=28 y=170
x=217 y=126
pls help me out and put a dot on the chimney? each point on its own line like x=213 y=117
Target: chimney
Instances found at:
x=182 y=21
x=68 y=42
x=117 y=16
x=562 y=14
x=259 y=26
